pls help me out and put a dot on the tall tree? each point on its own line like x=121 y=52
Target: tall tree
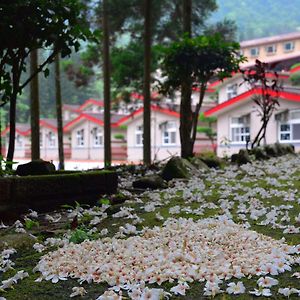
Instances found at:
x=186 y=90
x=147 y=82
x=27 y=26
x=193 y=62
x=34 y=107
x=106 y=79
x=61 y=164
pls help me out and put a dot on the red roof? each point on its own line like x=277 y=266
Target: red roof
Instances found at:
x=247 y=96
x=153 y=108
x=91 y=101
x=97 y=118
x=71 y=107
x=138 y=96
x=21 y=128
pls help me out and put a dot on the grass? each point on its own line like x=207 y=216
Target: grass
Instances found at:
x=241 y=184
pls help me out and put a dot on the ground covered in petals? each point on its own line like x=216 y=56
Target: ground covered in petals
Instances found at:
x=228 y=233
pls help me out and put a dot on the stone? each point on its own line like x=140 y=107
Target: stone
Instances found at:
x=288 y=148
x=149 y=182
x=36 y=167
x=241 y=158
x=259 y=153
x=280 y=149
x=212 y=161
x=177 y=167
x=16 y=240
x=198 y=163
x=271 y=150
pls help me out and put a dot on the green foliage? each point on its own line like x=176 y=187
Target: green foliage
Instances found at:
x=198 y=60
x=123 y=127
x=119 y=136
x=78 y=236
x=29 y=224
x=29 y=25
x=295 y=78
x=127 y=66
x=3 y=169
x=104 y=201
x=295 y=66
x=207 y=130
x=203 y=118
x=255 y=18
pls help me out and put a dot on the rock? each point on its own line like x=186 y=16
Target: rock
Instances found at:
x=198 y=163
x=280 y=149
x=234 y=158
x=177 y=167
x=288 y=148
x=36 y=167
x=212 y=161
x=149 y=182
x=241 y=158
x=259 y=153
x=16 y=240
x=271 y=150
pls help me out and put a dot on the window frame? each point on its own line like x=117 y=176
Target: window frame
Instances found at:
x=292 y=43
x=51 y=140
x=240 y=134
x=80 y=138
x=168 y=132
x=97 y=135
x=231 y=89
x=256 y=51
x=290 y=122
x=139 y=135
x=19 y=141
x=274 y=49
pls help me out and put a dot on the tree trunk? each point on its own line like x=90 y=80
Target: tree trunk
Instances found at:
x=196 y=114
x=61 y=164
x=187 y=17
x=12 y=131
x=34 y=107
x=106 y=77
x=186 y=93
x=186 y=120
x=16 y=73
x=147 y=81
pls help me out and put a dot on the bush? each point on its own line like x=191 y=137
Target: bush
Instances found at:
x=295 y=78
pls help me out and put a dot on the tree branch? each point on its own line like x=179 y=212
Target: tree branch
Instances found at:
x=40 y=68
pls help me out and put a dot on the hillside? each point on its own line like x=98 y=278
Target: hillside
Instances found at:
x=259 y=18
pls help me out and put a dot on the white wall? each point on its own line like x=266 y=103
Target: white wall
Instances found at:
x=158 y=150
x=223 y=126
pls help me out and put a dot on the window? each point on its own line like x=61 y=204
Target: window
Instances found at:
x=288 y=46
x=41 y=140
x=169 y=133
x=290 y=130
x=254 y=52
x=139 y=136
x=240 y=129
x=80 y=137
x=271 y=49
x=51 y=139
x=232 y=91
x=97 y=137
x=285 y=132
x=19 y=142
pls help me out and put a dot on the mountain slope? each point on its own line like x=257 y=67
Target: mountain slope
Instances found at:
x=259 y=18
